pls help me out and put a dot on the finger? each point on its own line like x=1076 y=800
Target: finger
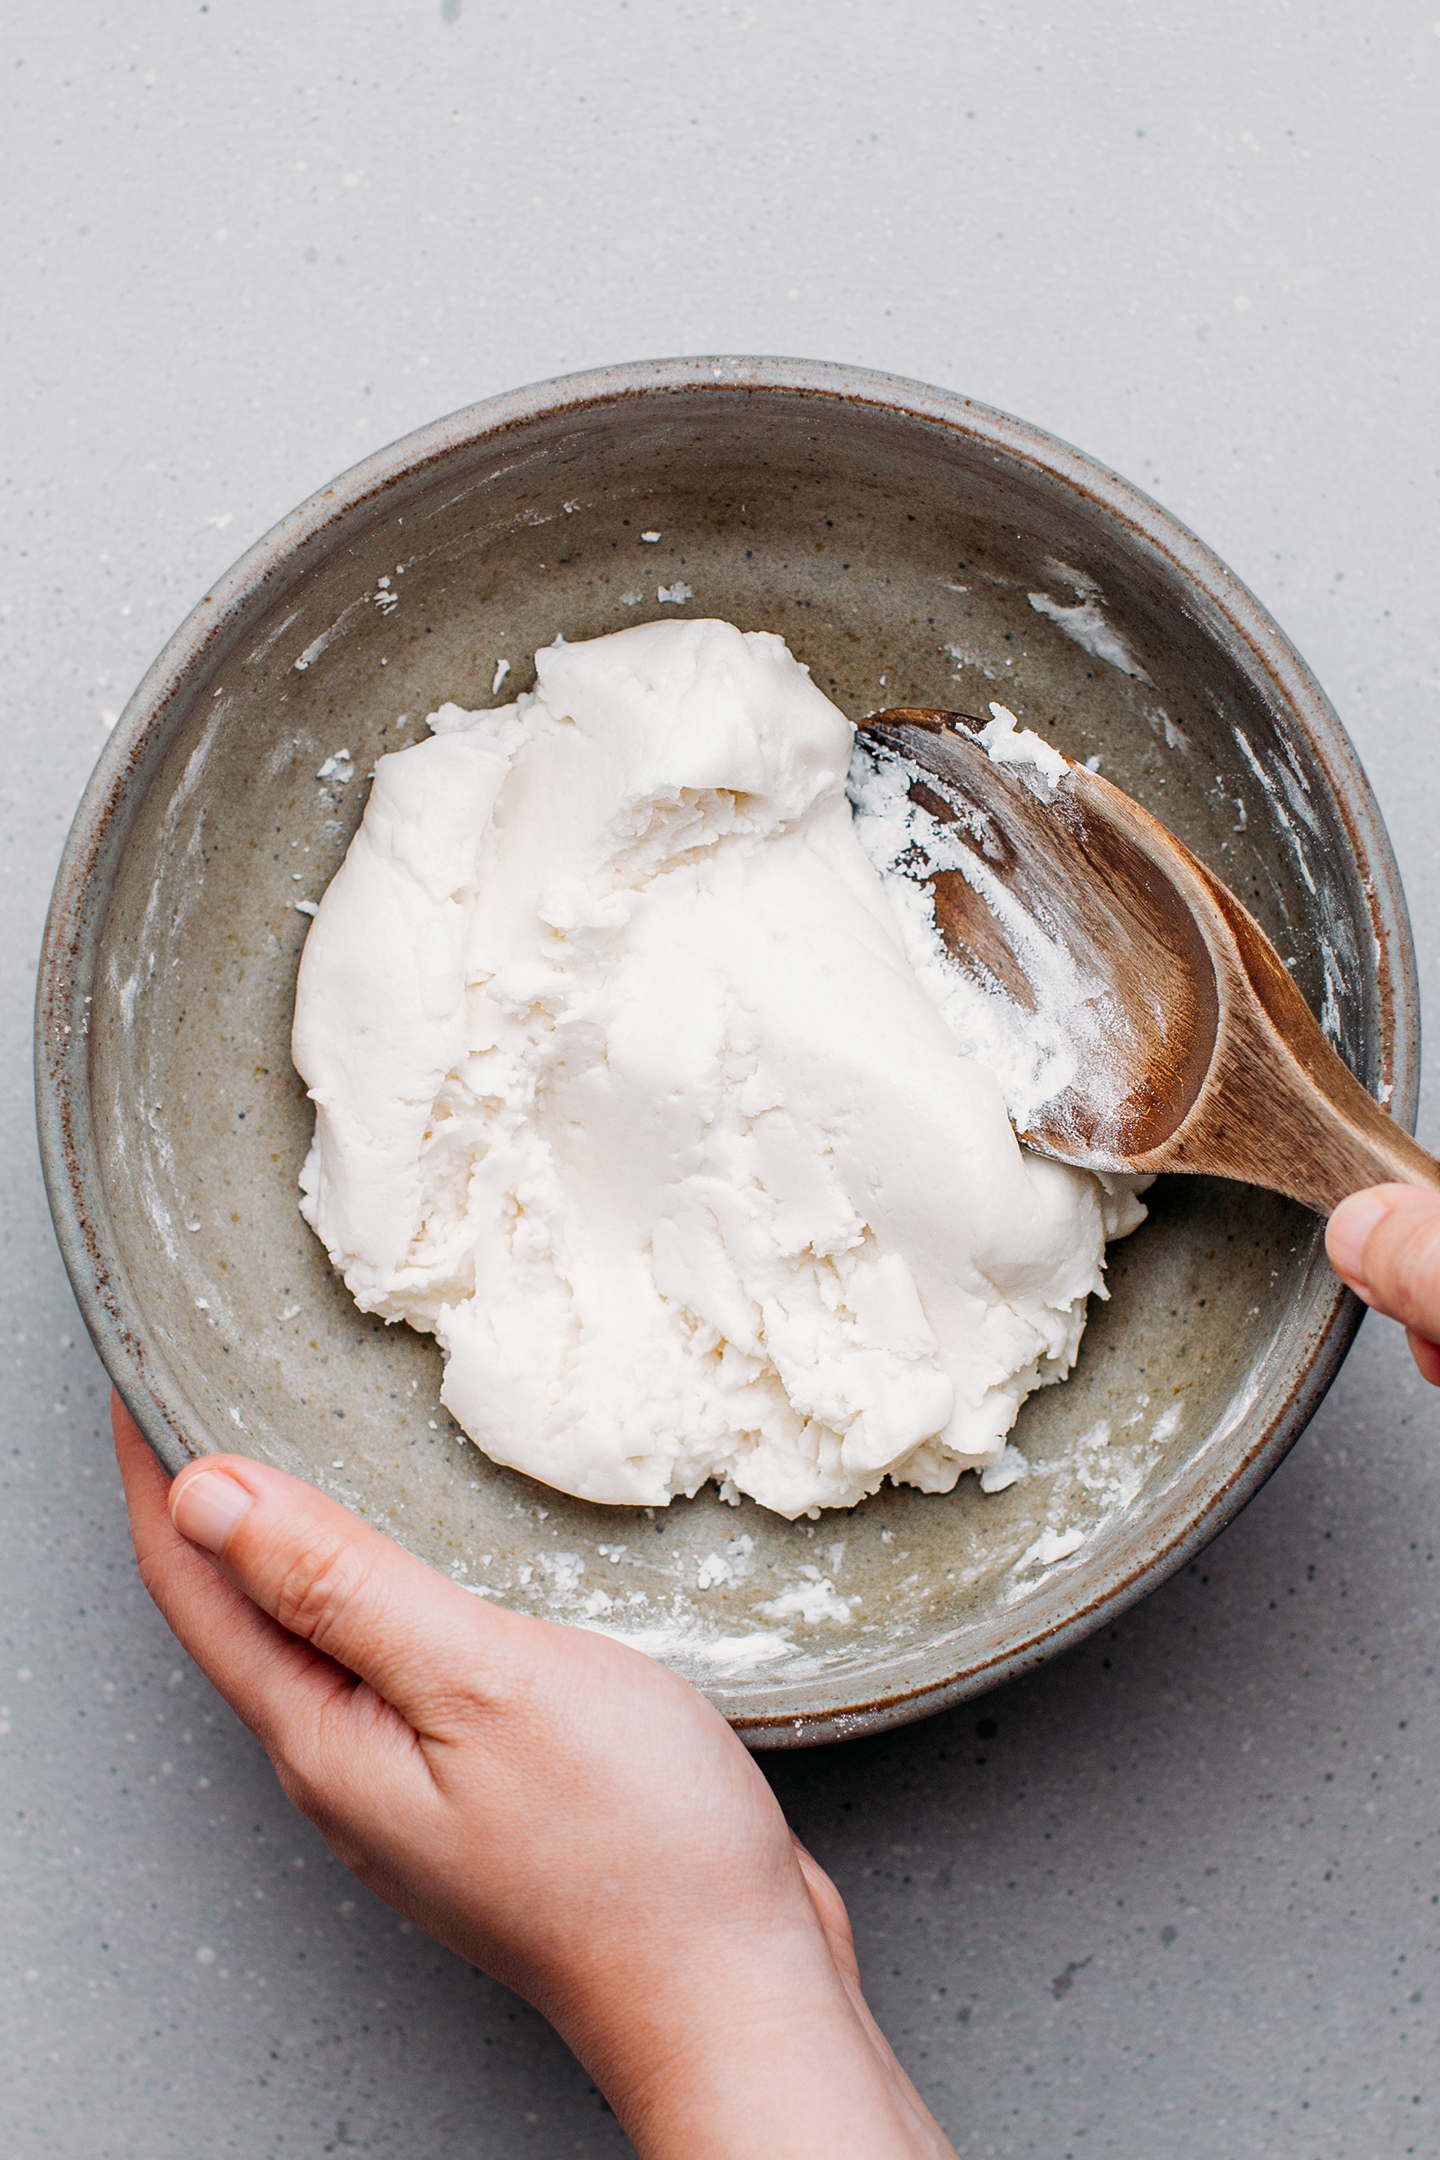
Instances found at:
x=335 y=1746
x=242 y=1651
x=141 y=1472
x=421 y=1642
x=1427 y=1356
x=1385 y=1244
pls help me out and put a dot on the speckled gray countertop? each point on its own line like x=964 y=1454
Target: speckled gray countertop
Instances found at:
x=1179 y=1892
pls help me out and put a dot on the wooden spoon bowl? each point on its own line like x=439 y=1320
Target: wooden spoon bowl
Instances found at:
x=1193 y=1050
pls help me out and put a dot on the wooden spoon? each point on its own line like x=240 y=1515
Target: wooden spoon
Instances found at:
x=1196 y=1051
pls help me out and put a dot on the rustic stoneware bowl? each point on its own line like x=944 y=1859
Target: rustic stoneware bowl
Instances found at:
x=915 y=549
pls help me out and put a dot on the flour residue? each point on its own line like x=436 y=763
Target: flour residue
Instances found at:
x=1036 y=1056
x=1005 y=742
x=1288 y=794
x=812 y=1599
x=1086 y=623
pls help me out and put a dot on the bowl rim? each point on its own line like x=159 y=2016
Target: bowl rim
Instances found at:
x=205 y=638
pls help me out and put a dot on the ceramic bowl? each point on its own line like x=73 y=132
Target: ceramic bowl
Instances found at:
x=915 y=549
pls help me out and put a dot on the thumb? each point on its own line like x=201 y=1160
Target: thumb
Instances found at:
x=340 y=1585
x=1385 y=1244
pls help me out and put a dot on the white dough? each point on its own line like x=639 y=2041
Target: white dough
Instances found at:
x=626 y=1089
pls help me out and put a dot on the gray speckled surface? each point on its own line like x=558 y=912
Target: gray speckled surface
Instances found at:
x=1176 y=1891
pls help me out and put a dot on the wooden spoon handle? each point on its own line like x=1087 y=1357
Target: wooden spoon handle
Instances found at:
x=1373 y=1150
x=1281 y=1107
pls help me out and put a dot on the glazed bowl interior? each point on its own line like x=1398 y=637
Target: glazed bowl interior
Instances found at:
x=913 y=549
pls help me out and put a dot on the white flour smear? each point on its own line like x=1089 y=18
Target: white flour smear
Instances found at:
x=1086 y=623
x=1036 y=1056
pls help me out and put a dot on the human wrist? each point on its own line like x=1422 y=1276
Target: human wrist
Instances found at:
x=736 y=2048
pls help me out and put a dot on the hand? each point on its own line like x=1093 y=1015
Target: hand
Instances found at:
x=562 y=1811
x=1385 y=1244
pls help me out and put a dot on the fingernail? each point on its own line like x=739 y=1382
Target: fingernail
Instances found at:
x=1348 y=1229
x=207 y=1508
